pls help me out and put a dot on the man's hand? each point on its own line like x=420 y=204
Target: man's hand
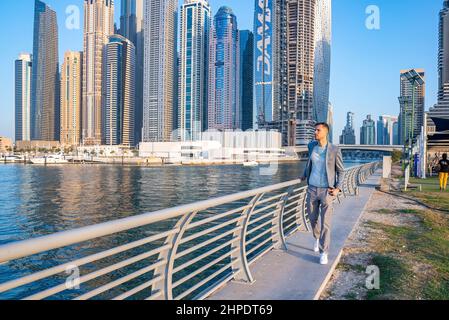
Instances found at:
x=334 y=192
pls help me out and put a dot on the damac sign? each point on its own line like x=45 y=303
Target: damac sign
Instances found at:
x=264 y=36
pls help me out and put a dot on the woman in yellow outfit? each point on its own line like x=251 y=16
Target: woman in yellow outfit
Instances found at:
x=444 y=172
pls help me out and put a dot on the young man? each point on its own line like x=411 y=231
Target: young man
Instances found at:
x=324 y=173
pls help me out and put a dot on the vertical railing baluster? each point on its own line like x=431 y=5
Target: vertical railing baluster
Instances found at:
x=241 y=266
x=278 y=234
x=301 y=211
x=165 y=284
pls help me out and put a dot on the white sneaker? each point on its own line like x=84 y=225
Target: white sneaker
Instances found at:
x=316 y=247
x=323 y=258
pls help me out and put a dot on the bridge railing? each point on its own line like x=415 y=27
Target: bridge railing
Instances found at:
x=185 y=252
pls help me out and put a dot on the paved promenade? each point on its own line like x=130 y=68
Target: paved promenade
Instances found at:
x=296 y=274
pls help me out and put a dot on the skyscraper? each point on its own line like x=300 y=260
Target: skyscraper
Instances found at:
x=194 y=44
x=45 y=75
x=443 y=53
x=270 y=65
x=301 y=15
x=410 y=116
x=330 y=121
x=323 y=36
x=348 y=134
x=368 y=131
x=224 y=68
x=119 y=91
x=98 y=26
x=385 y=129
x=131 y=27
x=246 y=39
x=160 y=76
x=71 y=97
x=23 y=67
x=396 y=133
x=441 y=109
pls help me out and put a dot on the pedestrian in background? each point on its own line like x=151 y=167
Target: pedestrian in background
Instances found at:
x=444 y=172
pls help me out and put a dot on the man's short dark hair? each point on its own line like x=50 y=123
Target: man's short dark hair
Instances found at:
x=324 y=124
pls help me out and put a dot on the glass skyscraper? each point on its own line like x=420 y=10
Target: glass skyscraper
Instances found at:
x=385 y=129
x=264 y=62
x=194 y=44
x=45 y=75
x=131 y=27
x=246 y=40
x=119 y=92
x=368 y=132
x=224 y=83
x=323 y=34
x=23 y=67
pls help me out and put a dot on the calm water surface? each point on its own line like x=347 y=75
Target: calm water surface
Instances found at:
x=39 y=200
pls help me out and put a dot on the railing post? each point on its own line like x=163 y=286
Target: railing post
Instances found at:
x=302 y=213
x=240 y=266
x=278 y=235
x=356 y=181
x=165 y=284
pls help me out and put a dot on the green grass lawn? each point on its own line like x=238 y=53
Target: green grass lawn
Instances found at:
x=428 y=185
x=426 y=244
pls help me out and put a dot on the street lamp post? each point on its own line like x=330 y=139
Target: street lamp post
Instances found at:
x=415 y=79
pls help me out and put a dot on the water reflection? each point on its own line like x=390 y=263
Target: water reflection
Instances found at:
x=38 y=200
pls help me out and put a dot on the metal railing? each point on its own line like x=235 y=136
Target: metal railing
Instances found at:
x=185 y=252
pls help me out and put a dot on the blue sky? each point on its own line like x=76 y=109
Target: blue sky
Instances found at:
x=365 y=63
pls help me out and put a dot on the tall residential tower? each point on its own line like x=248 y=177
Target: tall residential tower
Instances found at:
x=160 y=76
x=98 y=26
x=71 y=83
x=119 y=92
x=441 y=109
x=323 y=35
x=224 y=69
x=45 y=75
x=131 y=27
x=246 y=40
x=23 y=97
x=194 y=44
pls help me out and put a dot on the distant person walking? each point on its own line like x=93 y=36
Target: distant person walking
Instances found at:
x=444 y=172
x=324 y=173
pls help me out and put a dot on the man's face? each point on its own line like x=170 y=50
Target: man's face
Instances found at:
x=320 y=132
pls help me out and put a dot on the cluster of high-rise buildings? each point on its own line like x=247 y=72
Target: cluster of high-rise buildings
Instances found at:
x=170 y=72
x=394 y=130
x=413 y=120
x=385 y=132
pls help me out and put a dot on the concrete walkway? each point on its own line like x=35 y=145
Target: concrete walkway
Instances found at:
x=296 y=274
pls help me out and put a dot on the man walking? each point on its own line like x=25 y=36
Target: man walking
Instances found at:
x=324 y=173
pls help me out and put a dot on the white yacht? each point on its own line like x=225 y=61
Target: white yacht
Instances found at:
x=11 y=159
x=52 y=159
x=250 y=164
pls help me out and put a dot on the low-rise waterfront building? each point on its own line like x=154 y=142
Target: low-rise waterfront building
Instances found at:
x=216 y=146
